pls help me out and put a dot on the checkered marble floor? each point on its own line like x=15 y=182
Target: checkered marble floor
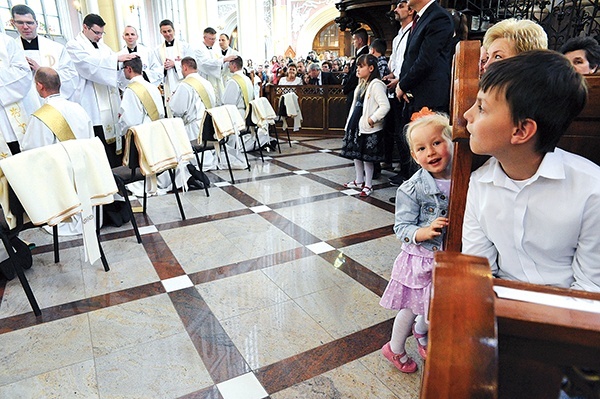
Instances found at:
x=269 y=289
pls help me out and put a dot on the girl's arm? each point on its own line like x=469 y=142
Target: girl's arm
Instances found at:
x=379 y=95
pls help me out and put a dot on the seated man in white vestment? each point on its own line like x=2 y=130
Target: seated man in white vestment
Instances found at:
x=239 y=91
x=211 y=61
x=98 y=68
x=15 y=82
x=142 y=103
x=152 y=70
x=42 y=52
x=170 y=53
x=189 y=102
x=58 y=119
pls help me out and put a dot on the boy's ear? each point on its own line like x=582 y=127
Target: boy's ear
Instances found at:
x=524 y=132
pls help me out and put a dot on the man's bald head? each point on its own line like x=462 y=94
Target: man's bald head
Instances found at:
x=49 y=81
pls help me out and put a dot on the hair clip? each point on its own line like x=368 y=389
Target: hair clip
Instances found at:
x=423 y=112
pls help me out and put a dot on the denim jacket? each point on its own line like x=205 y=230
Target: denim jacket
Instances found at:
x=418 y=203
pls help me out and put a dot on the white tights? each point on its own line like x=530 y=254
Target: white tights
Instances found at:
x=402 y=330
x=364 y=172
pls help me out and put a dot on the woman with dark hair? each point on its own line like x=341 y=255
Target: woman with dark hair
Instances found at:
x=584 y=54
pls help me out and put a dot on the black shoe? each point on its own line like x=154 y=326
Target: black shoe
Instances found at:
x=198 y=175
x=396 y=180
x=194 y=184
x=393 y=200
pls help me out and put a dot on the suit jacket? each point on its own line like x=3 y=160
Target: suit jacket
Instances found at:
x=327 y=78
x=427 y=62
x=352 y=80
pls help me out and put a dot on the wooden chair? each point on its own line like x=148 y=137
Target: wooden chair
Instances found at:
x=535 y=342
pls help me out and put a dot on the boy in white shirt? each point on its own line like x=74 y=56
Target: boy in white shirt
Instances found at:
x=533 y=210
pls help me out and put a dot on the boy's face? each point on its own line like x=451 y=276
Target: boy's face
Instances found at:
x=490 y=124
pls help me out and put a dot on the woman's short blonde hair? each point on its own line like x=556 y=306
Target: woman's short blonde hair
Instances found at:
x=437 y=119
x=524 y=34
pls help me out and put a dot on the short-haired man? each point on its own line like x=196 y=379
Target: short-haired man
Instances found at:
x=170 y=52
x=98 y=68
x=152 y=70
x=15 y=82
x=42 y=52
x=142 y=102
x=532 y=209
x=239 y=91
x=318 y=77
x=192 y=97
x=58 y=119
x=225 y=50
x=360 y=41
x=210 y=61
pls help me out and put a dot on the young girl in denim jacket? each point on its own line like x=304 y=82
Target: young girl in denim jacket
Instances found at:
x=363 y=140
x=421 y=210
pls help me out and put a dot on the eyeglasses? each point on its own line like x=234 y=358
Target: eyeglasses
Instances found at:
x=28 y=23
x=96 y=33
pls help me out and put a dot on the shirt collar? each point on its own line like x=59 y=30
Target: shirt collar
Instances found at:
x=422 y=11
x=551 y=167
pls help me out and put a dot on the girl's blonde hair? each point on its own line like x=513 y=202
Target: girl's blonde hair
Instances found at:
x=436 y=119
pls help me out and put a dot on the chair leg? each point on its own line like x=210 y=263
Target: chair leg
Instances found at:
x=55 y=243
x=172 y=174
x=259 y=145
x=228 y=163
x=123 y=192
x=21 y=274
x=288 y=136
x=245 y=154
x=277 y=138
x=145 y=198
x=102 y=256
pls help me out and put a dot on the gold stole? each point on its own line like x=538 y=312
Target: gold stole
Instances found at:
x=144 y=95
x=200 y=89
x=240 y=81
x=55 y=121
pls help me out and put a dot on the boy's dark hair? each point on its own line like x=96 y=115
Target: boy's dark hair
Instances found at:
x=22 y=9
x=135 y=64
x=588 y=44
x=190 y=62
x=93 y=19
x=540 y=85
x=379 y=46
x=166 y=22
x=364 y=36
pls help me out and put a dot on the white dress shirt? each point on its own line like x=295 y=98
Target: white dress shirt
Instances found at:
x=543 y=230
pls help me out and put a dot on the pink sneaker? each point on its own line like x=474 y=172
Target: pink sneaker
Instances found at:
x=407 y=367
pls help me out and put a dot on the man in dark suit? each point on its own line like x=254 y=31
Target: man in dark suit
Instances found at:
x=360 y=41
x=425 y=74
x=320 y=78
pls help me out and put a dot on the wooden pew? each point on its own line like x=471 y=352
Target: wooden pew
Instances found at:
x=535 y=342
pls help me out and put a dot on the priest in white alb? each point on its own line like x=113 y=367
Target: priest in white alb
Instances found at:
x=98 y=68
x=152 y=70
x=210 y=62
x=42 y=52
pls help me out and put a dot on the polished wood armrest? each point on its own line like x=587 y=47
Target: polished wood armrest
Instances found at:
x=462 y=354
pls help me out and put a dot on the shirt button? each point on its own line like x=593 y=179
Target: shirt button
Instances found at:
x=443 y=212
x=406 y=239
x=443 y=196
x=435 y=248
x=430 y=209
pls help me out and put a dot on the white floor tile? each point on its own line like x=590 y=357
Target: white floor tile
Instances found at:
x=260 y=208
x=245 y=386
x=222 y=184
x=177 y=283
x=320 y=247
x=148 y=229
x=301 y=172
x=350 y=191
